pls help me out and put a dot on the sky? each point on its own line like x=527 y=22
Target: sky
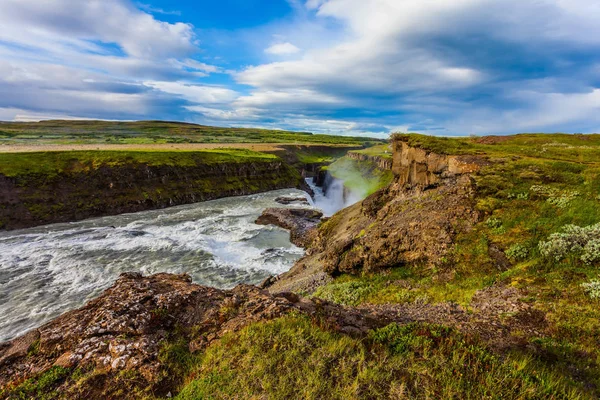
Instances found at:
x=348 y=67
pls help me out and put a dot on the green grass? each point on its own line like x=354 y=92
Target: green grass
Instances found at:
x=50 y=163
x=294 y=357
x=382 y=150
x=41 y=387
x=566 y=147
x=152 y=132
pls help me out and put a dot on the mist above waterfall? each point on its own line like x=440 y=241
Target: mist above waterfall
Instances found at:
x=346 y=183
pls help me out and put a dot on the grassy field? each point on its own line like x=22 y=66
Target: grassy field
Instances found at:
x=153 y=132
x=52 y=163
x=574 y=148
x=380 y=150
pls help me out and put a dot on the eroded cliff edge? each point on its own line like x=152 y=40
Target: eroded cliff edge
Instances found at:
x=411 y=221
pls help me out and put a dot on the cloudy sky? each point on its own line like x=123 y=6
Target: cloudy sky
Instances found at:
x=445 y=67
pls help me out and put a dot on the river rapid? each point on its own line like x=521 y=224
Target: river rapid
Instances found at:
x=49 y=270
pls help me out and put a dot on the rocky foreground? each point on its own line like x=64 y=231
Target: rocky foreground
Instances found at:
x=126 y=327
x=125 y=330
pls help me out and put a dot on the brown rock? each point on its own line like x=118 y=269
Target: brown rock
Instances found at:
x=301 y=222
x=19 y=347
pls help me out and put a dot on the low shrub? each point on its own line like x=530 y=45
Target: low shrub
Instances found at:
x=575 y=243
x=592 y=289
x=517 y=252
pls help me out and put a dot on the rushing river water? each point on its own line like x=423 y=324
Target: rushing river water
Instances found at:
x=49 y=270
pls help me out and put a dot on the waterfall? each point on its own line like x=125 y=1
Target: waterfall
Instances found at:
x=332 y=196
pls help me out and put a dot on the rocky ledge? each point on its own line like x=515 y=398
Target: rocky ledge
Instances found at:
x=285 y=200
x=125 y=329
x=301 y=222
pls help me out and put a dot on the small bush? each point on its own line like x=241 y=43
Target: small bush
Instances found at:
x=592 y=289
x=574 y=242
x=559 y=198
x=493 y=222
x=517 y=252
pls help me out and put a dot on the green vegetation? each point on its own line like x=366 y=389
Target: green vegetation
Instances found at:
x=361 y=177
x=294 y=357
x=154 y=132
x=52 y=163
x=539 y=204
x=572 y=148
x=381 y=150
x=40 y=387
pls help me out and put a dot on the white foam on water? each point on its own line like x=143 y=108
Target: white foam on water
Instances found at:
x=47 y=271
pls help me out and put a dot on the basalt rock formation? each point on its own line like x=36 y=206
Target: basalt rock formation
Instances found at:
x=110 y=190
x=301 y=222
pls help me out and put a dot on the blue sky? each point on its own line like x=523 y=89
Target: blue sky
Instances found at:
x=350 y=67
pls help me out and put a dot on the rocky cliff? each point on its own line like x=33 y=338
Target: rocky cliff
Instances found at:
x=412 y=221
x=416 y=166
x=383 y=163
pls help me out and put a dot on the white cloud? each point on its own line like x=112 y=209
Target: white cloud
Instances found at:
x=288 y=98
x=137 y=33
x=196 y=93
x=282 y=49
x=549 y=111
x=406 y=57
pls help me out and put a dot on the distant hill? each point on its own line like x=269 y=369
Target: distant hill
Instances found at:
x=147 y=132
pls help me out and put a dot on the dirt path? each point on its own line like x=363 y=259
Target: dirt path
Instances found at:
x=155 y=147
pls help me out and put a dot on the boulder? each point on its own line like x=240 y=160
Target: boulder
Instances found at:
x=301 y=222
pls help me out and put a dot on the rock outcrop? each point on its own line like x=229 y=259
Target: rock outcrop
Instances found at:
x=417 y=166
x=383 y=163
x=301 y=222
x=285 y=200
x=127 y=328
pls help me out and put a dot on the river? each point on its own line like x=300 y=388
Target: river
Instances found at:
x=49 y=270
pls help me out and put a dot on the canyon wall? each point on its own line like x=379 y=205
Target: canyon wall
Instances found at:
x=32 y=200
x=417 y=166
x=383 y=163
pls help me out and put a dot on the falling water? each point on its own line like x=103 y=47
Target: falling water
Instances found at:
x=336 y=197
